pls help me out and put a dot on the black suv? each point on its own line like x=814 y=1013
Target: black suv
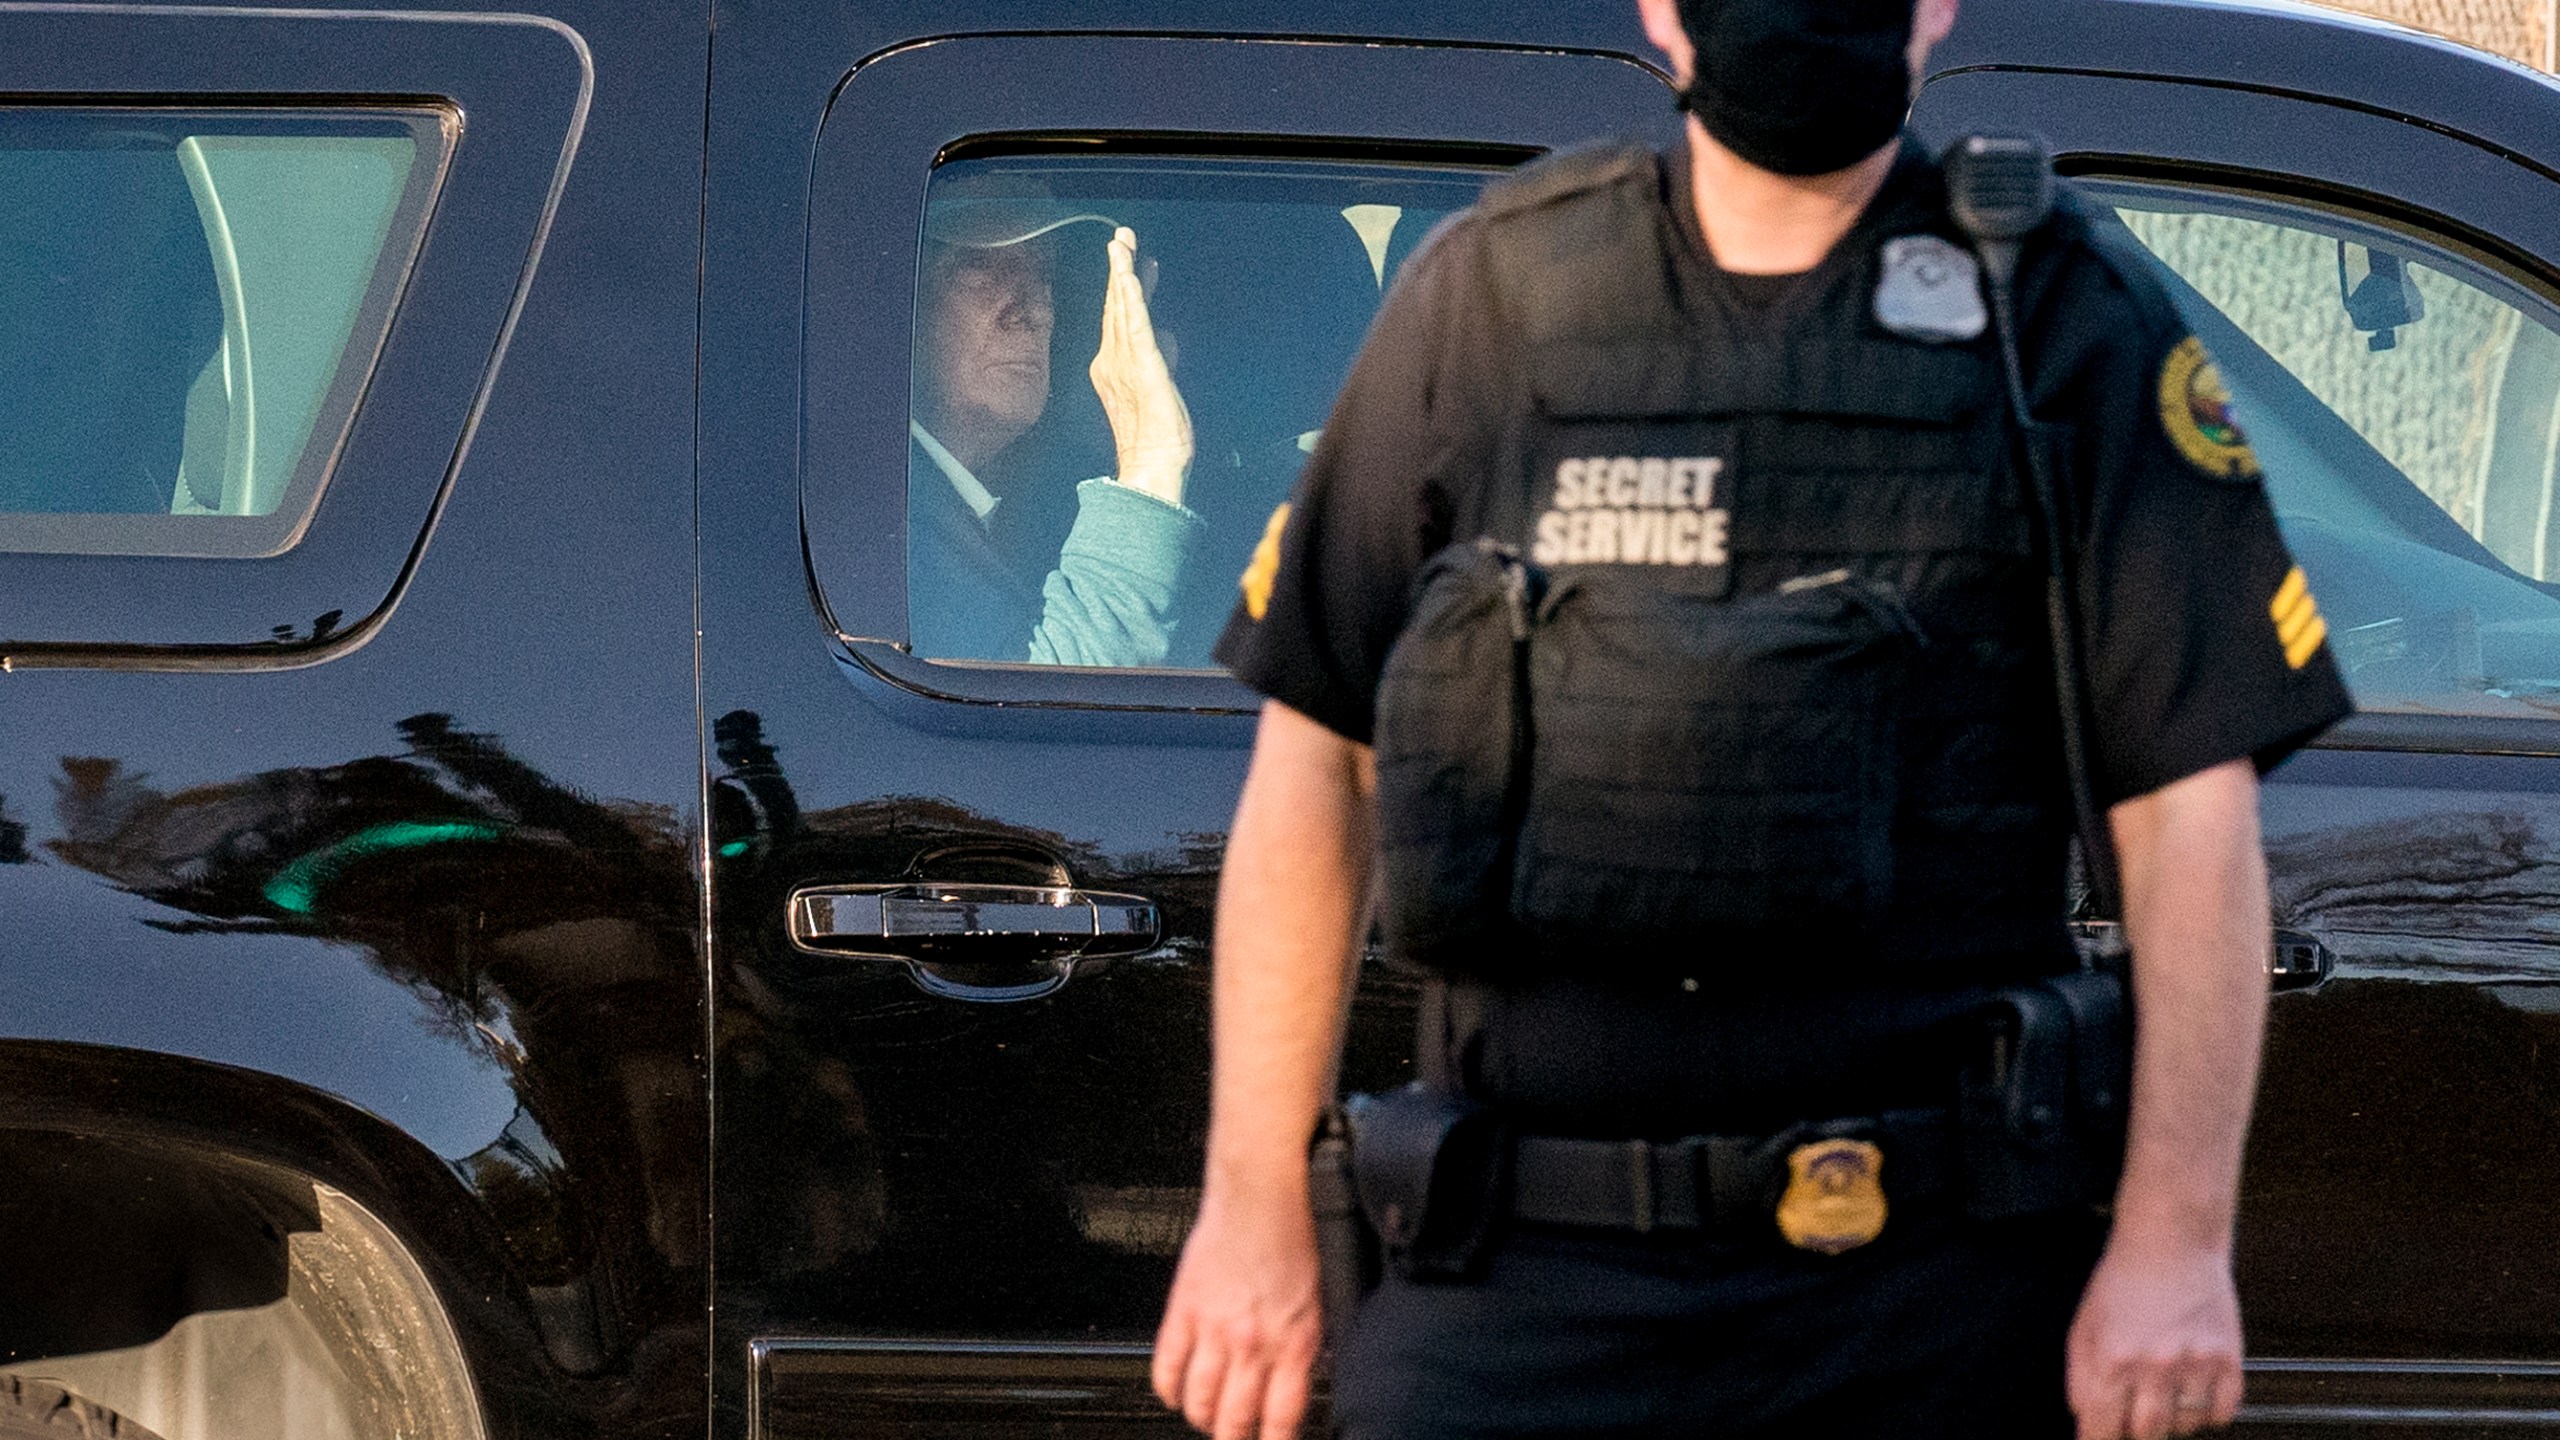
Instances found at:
x=515 y=926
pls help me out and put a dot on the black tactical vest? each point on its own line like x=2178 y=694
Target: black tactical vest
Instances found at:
x=1737 y=671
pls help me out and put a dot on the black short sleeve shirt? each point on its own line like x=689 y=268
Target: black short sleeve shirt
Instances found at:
x=2204 y=644
x=2203 y=639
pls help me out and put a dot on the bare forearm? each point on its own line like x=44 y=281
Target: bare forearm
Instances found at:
x=1241 y=1327
x=2196 y=918
x=2155 y=1349
x=1290 y=907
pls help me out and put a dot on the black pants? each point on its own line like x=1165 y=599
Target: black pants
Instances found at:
x=1943 y=1327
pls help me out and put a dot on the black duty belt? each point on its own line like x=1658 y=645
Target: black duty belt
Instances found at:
x=1740 y=1184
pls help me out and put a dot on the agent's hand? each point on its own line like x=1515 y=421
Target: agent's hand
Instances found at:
x=1149 y=423
x=1243 y=1323
x=2155 y=1349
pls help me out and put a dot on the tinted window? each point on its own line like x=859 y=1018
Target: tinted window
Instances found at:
x=2405 y=401
x=1257 y=280
x=188 y=309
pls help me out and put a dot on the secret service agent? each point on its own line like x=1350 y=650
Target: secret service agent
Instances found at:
x=1725 y=784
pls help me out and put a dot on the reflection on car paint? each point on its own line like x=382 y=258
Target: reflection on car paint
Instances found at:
x=541 y=938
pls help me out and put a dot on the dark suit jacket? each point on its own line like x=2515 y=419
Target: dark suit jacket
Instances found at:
x=965 y=598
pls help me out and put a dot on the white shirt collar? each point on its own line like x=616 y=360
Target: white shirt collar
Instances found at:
x=972 y=494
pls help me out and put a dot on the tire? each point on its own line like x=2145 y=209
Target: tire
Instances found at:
x=34 y=1410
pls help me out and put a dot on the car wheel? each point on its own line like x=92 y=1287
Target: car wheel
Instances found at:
x=34 y=1410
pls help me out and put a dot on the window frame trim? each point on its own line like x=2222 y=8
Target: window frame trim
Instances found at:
x=524 y=85
x=2422 y=732
x=1267 y=91
x=387 y=281
x=2168 y=130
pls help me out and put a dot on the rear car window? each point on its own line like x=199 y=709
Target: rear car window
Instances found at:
x=190 y=304
x=1258 y=278
x=2404 y=399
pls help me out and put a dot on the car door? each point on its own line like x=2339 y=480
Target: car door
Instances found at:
x=963 y=897
x=2379 y=294
x=337 y=343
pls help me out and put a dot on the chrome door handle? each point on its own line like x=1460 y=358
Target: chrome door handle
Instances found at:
x=973 y=942
x=2295 y=960
x=2300 y=962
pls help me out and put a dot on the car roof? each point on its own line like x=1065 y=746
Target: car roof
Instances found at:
x=2277 y=47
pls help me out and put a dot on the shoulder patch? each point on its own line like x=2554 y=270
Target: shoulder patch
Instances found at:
x=2299 y=627
x=1566 y=173
x=2195 y=410
x=1265 y=567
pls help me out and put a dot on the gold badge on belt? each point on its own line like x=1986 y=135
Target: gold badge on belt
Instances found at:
x=1835 y=1196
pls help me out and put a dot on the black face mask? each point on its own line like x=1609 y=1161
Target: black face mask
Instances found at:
x=1800 y=87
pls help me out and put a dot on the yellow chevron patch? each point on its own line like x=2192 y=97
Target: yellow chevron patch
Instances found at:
x=1265 y=567
x=2299 y=626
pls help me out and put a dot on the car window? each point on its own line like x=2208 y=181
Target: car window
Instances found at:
x=188 y=306
x=2405 y=402
x=1256 y=280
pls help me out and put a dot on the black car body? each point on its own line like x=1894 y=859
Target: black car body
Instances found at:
x=413 y=1013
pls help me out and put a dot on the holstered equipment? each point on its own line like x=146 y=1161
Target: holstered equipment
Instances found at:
x=1347 y=1254
x=2038 y=1125
x=1430 y=1168
x=2043 y=1104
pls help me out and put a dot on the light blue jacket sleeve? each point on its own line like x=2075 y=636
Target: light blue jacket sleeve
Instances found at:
x=1110 y=601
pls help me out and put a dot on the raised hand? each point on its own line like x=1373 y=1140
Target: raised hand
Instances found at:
x=1149 y=423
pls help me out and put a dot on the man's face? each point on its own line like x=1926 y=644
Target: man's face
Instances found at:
x=987 y=322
